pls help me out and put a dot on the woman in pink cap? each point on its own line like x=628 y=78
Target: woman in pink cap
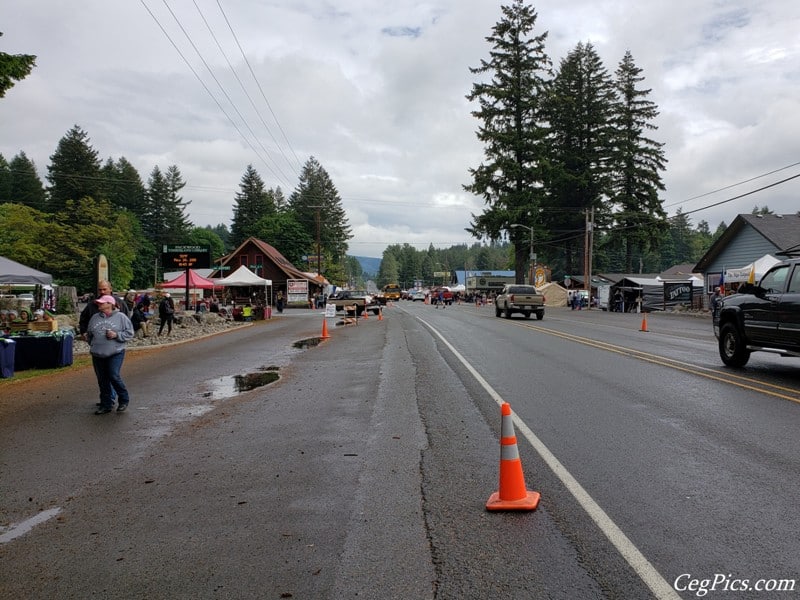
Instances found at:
x=108 y=331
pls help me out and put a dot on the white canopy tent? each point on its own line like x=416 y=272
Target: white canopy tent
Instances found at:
x=759 y=267
x=243 y=277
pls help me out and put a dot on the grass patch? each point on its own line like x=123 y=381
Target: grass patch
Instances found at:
x=27 y=374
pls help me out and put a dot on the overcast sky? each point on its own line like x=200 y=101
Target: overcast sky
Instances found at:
x=375 y=91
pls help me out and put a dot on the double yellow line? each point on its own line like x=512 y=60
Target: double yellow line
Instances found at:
x=748 y=383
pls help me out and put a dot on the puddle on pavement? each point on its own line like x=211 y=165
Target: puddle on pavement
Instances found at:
x=308 y=343
x=230 y=385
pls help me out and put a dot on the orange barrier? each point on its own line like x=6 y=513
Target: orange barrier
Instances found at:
x=644 y=322
x=512 y=494
x=325 y=334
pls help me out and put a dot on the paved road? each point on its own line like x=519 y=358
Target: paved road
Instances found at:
x=362 y=472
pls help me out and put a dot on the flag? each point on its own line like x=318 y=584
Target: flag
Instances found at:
x=722 y=282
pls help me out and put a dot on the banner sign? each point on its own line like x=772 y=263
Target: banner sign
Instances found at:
x=297 y=291
x=680 y=293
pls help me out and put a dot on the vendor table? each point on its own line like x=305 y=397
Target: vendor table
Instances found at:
x=7 y=349
x=42 y=351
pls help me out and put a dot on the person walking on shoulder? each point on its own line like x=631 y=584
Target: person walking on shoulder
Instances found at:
x=108 y=332
x=166 y=313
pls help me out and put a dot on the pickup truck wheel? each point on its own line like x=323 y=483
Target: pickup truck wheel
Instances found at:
x=732 y=348
x=497 y=311
x=539 y=315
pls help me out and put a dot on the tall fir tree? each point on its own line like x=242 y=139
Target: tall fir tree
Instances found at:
x=26 y=187
x=154 y=217
x=580 y=111
x=513 y=130
x=317 y=207
x=5 y=180
x=74 y=171
x=123 y=186
x=637 y=162
x=13 y=68
x=252 y=203
x=177 y=220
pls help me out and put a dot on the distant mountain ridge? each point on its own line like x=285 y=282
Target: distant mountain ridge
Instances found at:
x=369 y=264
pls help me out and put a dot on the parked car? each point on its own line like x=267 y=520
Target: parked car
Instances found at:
x=418 y=295
x=26 y=297
x=761 y=318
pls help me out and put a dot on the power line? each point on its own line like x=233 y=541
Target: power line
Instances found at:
x=225 y=93
x=241 y=85
x=205 y=87
x=252 y=73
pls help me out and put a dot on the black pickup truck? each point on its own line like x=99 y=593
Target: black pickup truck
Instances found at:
x=763 y=317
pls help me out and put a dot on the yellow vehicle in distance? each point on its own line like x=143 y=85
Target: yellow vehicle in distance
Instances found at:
x=389 y=293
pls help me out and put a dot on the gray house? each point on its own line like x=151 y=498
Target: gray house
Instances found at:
x=746 y=240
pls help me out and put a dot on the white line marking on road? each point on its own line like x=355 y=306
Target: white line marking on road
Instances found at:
x=646 y=571
x=18 y=529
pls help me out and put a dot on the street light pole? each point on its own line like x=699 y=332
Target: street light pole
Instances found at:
x=531 y=255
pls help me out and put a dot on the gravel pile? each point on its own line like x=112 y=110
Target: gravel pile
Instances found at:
x=187 y=326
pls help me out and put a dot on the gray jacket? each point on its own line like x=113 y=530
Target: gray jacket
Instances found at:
x=99 y=344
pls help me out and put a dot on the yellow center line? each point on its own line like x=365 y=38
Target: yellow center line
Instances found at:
x=740 y=381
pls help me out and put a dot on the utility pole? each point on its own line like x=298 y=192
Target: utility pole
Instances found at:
x=319 y=254
x=587 y=255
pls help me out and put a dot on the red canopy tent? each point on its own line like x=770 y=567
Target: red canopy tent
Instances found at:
x=195 y=282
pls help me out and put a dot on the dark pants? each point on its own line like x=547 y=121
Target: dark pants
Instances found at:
x=107 y=369
x=166 y=320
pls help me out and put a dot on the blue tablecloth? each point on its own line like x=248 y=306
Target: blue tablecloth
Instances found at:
x=43 y=351
x=7 y=350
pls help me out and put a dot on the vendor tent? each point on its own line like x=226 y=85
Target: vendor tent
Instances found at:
x=243 y=277
x=13 y=273
x=757 y=268
x=554 y=294
x=195 y=282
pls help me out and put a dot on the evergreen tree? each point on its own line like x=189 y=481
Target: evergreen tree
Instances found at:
x=177 y=219
x=74 y=171
x=123 y=186
x=154 y=216
x=251 y=204
x=637 y=162
x=13 y=68
x=580 y=143
x=26 y=187
x=5 y=180
x=513 y=131
x=389 y=271
x=317 y=207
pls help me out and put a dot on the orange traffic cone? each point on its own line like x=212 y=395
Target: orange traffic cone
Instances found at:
x=365 y=314
x=512 y=495
x=644 y=322
x=380 y=314
x=325 y=335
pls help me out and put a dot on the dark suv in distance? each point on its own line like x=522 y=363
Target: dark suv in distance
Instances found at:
x=763 y=317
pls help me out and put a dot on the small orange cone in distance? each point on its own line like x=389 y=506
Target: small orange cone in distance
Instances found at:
x=644 y=322
x=325 y=334
x=380 y=314
x=512 y=494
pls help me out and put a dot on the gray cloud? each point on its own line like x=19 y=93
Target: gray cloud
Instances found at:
x=375 y=91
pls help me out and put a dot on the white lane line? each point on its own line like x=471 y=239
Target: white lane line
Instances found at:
x=646 y=571
x=18 y=529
